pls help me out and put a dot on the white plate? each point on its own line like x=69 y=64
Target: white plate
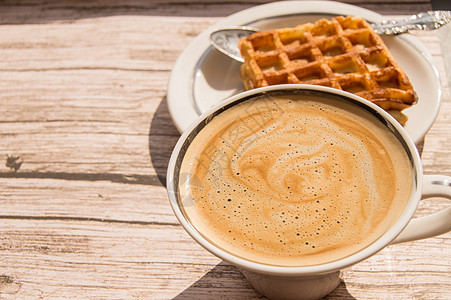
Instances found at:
x=202 y=76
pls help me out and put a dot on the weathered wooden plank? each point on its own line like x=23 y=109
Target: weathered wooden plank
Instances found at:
x=97 y=259
x=50 y=11
x=109 y=199
x=111 y=42
x=76 y=259
x=61 y=156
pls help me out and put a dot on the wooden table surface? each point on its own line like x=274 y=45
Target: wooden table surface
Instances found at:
x=85 y=138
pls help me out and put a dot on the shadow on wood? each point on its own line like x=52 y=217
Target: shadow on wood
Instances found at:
x=163 y=136
x=225 y=281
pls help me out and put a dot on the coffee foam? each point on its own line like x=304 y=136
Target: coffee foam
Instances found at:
x=294 y=181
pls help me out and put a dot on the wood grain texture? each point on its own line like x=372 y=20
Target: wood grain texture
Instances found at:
x=83 y=104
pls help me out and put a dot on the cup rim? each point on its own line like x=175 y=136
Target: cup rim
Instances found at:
x=328 y=267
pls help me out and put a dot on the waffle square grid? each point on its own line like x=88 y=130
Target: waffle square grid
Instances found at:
x=343 y=53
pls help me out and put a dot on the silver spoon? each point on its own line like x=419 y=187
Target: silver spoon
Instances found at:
x=226 y=40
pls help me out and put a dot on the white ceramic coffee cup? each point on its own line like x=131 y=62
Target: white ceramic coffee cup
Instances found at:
x=313 y=282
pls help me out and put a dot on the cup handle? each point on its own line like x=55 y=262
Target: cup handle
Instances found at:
x=435 y=224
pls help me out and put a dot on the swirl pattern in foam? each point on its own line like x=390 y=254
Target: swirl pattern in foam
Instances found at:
x=294 y=180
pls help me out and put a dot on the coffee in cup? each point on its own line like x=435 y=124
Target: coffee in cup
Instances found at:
x=294 y=180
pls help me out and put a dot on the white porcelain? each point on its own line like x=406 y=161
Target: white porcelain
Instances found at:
x=293 y=287
x=313 y=282
x=202 y=76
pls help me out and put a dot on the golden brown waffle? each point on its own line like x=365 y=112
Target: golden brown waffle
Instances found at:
x=343 y=53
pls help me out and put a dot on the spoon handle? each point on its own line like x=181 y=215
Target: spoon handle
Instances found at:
x=423 y=21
